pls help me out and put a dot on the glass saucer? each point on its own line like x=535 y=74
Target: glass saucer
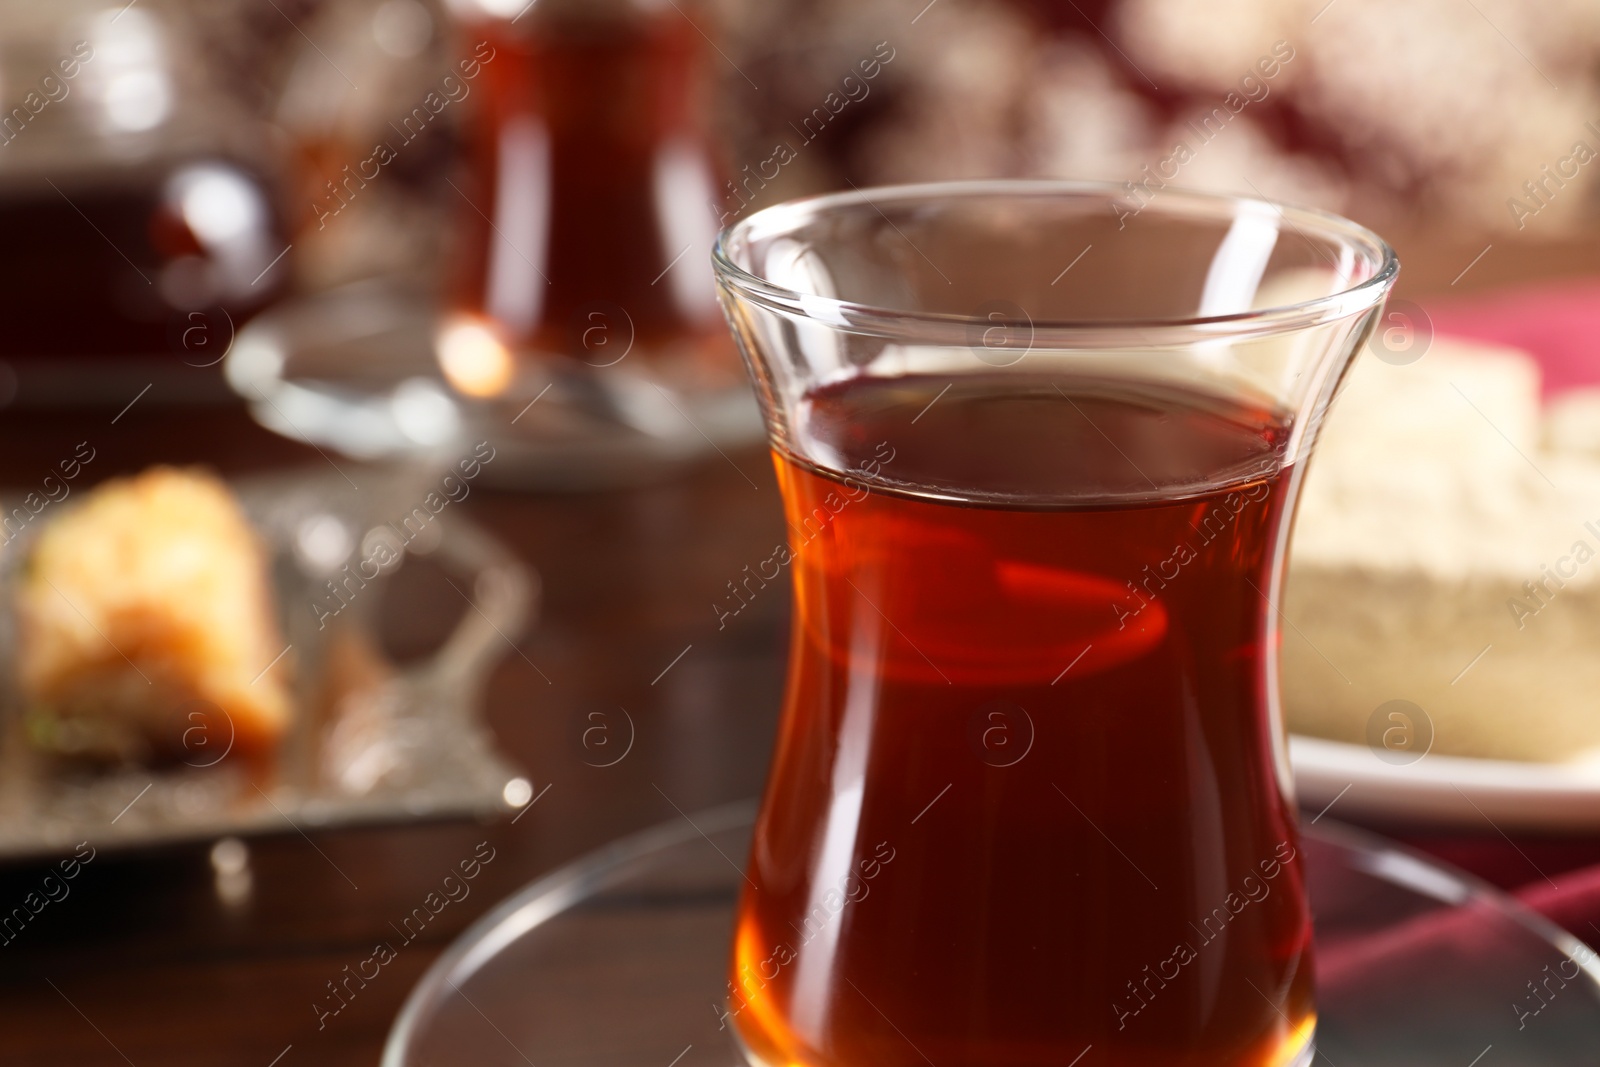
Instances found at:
x=354 y=370
x=620 y=959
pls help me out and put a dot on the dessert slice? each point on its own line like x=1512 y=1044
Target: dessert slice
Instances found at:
x=146 y=627
x=1442 y=558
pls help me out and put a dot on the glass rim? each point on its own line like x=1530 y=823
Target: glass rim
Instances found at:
x=944 y=328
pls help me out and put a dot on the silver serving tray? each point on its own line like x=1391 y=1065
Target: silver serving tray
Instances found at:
x=410 y=745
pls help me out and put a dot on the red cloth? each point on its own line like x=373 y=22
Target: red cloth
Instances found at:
x=1557 y=322
x=1570 y=899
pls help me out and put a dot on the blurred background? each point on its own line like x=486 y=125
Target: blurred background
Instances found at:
x=201 y=163
x=365 y=237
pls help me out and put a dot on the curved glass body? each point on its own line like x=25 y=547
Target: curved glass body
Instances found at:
x=1039 y=449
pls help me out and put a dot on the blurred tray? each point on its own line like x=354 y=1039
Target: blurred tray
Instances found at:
x=409 y=745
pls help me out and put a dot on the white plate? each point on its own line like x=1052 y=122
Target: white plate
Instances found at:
x=1350 y=780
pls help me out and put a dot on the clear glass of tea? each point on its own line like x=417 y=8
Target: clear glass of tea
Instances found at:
x=1039 y=446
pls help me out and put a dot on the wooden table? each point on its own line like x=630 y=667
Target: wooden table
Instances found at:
x=145 y=964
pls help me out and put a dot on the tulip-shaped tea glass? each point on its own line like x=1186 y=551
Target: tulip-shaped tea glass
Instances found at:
x=1039 y=446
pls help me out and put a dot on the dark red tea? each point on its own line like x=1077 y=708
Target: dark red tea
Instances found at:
x=1025 y=807
x=93 y=273
x=594 y=170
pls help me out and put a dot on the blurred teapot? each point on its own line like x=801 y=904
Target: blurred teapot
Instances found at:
x=135 y=195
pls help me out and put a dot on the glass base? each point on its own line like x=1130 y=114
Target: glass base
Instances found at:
x=621 y=959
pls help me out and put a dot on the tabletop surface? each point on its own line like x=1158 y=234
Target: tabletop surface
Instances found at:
x=145 y=963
